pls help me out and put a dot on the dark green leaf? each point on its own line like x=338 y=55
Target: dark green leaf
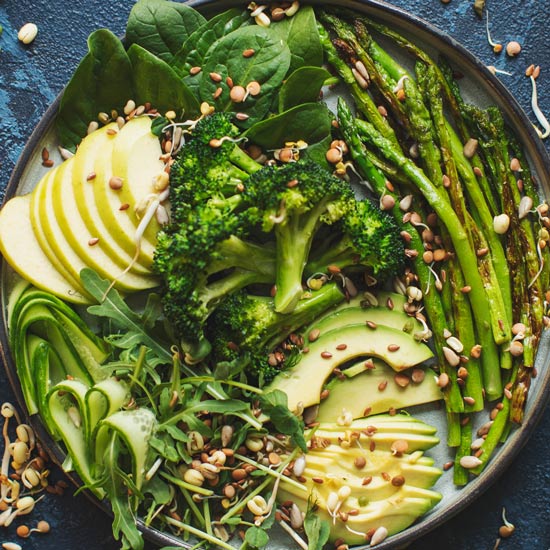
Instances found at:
x=157 y=83
x=302 y=86
x=101 y=82
x=317 y=153
x=310 y=122
x=256 y=537
x=164 y=448
x=113 y=307
x=159 y=490
x=176 y=433
x=161 y=27
x=301 y=35
x=268 y=66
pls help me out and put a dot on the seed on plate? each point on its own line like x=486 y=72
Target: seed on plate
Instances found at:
x=11 y=546
x=387 y=202
x=470 y=462
x=405 y=203
x=217 y=93
x=115 y=183
x=402 y=380
x=27 y=33
x=443 y=380
x=237 y=94
x=525 y=206
x=382 y=386
x=293 y=9
x=378 y=536
x=454 y=343
x=104 y=118
x=516 y=348
x=360 y=462
x=93 y=241
x=334 y=155
x=470 y=148
x=360 y=79
x=393 y=347
x=398 y=481
x=451 y=356
x=193 y=477
x=249 y=52
x=253 y=88
x=469 y=400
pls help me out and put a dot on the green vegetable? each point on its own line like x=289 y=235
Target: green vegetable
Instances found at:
x=161 y=27
x=302 y=86
x=102 y=81
x=268 y=66
x=158 y=84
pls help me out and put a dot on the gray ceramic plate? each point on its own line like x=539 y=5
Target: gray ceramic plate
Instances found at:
x=479 y=86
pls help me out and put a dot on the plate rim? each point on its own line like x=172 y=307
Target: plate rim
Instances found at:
x=538 y=154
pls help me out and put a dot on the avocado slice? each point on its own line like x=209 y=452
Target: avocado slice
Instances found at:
x=375 y=499
x=377 y=315
x=16 y=235
x=97 y=257
x=361 y=392
x=83 y=189
x=119 y=219
x=304 y=381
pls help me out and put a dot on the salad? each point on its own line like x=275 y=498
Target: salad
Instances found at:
x=266 y=240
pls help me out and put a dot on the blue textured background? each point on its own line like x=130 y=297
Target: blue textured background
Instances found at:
x=31 y=77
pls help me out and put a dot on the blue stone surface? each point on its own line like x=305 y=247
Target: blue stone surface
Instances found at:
x=31 y=77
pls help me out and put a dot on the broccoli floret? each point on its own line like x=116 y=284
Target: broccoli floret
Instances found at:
x=210 y=164
x=246 y=326
x=367 y=237
x=202 y=259
x=293 y=202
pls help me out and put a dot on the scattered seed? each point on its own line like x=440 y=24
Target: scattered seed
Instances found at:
x=27 y=33
x=513 y=48
x=217 y=93
x=402 y=380
x=393 y=347
x=115 y=183
x=378 y=536
x=470 y=148
x=93 y=241
x=516 y=348
x=360 y=462
x=398 y=481
x=11 y=546
x=469 y=400
x=443 y=380
x=382 y=386
x=470 y=462
x=399 y=447
x=326 y=355
x=253 y=88
x=525 y=206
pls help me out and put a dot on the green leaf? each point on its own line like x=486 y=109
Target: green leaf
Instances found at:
x=301 y=34
x=159 y=490
x=195 y=47
x=268 y=66
x=113 y=307
x=302 y=86
x=165 y=449
x=317 y=530
x=161 y=27
x=101 y=82
x=310 y=122
x=157 y=83
x=256 y=537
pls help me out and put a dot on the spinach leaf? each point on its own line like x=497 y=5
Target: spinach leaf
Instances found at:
x=268 y=66
x=159 y=84
x=195 y=47
x=317 y=153
x=301 y=34
x=310 y=122
x=161 y=27
x=101 y=82
x=302 y=86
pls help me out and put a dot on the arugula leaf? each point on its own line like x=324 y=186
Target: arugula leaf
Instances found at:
x=161 y=27
x=113 y=307
x=102 y=81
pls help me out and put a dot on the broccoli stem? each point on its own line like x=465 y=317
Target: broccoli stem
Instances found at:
x=239 y=158
x=467 y=257
x=293 y=243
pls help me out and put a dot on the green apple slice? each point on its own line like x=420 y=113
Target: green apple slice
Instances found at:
x=17 y=235
x=44 y=239
x=88 y=246
x=117 y=214
x=136 y=159
x=83 y=182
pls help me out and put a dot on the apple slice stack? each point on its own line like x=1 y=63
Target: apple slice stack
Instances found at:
x=83 y=214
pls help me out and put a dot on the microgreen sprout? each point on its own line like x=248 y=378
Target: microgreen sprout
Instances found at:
x=497 y=48
x=543 y=121
x=508 y=528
